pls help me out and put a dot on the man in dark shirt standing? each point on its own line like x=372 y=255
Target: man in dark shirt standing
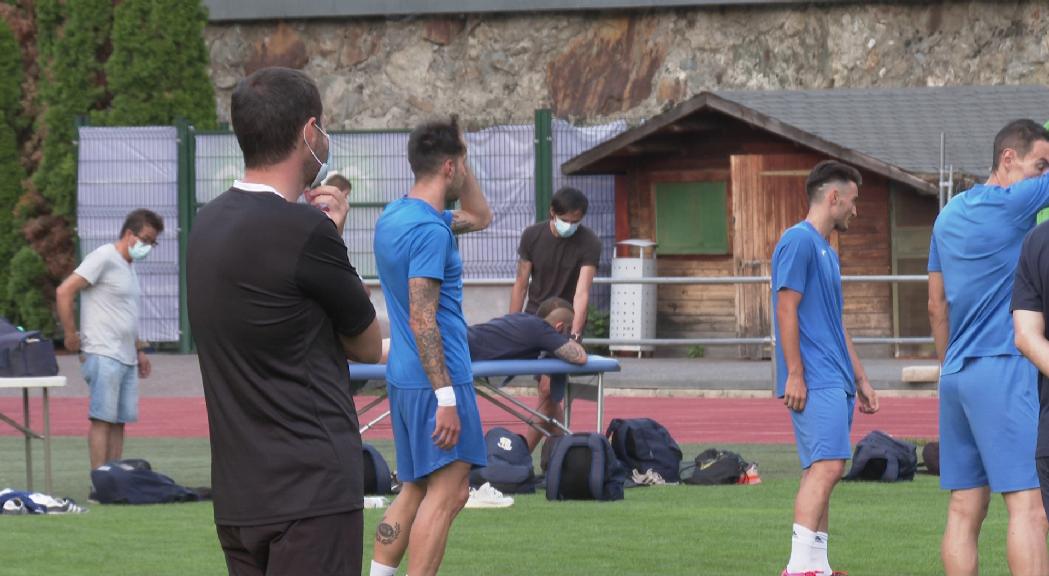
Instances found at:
x=1030 y=307
x=276 y=309
x=557 y=258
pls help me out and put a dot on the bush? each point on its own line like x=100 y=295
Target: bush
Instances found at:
x=159 y=68
x=597 y=326
x=11 y=173
x=30 y=308
x=72 y=85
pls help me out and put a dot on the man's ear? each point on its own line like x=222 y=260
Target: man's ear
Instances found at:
x=560 y=326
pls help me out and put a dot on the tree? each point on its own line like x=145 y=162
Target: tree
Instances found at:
x=23 y=290
x=74 y=84
x=158 y=70
x=11 y=173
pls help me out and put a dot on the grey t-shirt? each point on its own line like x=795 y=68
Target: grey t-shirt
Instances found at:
x=109 y=307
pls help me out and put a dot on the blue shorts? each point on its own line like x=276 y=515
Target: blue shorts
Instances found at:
x=989 y=425
x=414 y=416
x=114 y=389
x=557 y=386
x=822 y=428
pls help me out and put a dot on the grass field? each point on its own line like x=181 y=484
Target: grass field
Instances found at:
x=876 y=529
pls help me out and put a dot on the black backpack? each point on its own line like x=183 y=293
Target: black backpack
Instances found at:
x=884 y=458
x=134 y=482
x=584 y=467
x=509 y=468
x=715 y=466
x=377 y=478
x=642 y=444
x=25 y=354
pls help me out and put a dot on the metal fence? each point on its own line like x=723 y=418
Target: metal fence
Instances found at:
x=174 y=171
x=119 y=170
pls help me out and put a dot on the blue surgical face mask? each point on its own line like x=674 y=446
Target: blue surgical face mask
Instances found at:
x=139 y=250
x=564 y=229
x=323 y=172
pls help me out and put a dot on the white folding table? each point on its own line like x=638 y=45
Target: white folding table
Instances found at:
x=44 y=384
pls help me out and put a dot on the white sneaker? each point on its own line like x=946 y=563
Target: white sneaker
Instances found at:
x=488 y=497
x=56 y=505
x=374 y=502
x=15 y=506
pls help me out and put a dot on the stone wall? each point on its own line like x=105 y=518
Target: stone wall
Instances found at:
x=490 y=69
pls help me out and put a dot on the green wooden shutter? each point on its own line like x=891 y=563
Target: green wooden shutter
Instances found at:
x=691 y=218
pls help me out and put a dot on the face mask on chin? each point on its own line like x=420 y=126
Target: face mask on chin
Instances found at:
x=139 y=250
x=564 y=229
x=322 y=173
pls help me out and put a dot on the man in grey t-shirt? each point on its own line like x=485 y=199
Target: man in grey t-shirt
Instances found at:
x=112 y=359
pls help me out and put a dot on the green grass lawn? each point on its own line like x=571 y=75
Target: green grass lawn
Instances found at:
x=876 y=529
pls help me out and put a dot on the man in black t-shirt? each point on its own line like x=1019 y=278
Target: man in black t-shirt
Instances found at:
x=558 y=258
x=276 y=309
x=1030 y=306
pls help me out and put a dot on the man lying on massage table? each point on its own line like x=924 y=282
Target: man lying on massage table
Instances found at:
x=523 y=337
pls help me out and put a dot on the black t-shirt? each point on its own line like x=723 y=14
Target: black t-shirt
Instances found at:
x=514 y=336
x=270 y=289
x=556 y=261
x=1031 y=292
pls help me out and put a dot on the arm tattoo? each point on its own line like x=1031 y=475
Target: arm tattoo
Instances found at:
x=386 y=534
x=571 y=352
x=461 y=223
x=423 y=295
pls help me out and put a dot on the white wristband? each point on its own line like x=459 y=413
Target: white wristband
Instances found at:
x=445 y=396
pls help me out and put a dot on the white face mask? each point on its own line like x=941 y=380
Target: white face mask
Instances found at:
x=564 y=229
x=323 y=172
x=140 y=250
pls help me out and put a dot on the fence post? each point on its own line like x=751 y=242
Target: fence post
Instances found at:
x=544 y=163
x=186 y=208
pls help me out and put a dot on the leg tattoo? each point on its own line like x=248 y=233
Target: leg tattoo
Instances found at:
x=386 y=534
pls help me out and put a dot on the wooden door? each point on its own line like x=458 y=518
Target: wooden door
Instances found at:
x=768 y=196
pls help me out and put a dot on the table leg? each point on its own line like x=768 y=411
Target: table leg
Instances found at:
x=600 y=403
x=28 y=441
x=47 y=443
x=568 y=403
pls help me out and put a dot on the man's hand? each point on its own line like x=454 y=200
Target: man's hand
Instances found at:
x=867 y=396
x=333 y=202
x=72 y=341
x=796 y=392
x=144 y=367
x=446 y=429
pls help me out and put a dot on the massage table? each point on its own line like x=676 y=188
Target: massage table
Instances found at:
x=485 y=371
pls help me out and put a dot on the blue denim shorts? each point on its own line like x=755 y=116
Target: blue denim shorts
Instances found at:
x=114 y=389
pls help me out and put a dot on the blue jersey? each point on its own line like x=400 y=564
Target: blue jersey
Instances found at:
x=975 y=245
x=805 y=262
x=412 y=240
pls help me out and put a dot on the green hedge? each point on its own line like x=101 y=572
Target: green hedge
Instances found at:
x=11 y=172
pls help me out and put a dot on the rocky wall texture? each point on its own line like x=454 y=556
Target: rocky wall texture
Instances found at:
x=390 y=73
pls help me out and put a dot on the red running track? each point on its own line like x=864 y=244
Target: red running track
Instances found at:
x=690 y=420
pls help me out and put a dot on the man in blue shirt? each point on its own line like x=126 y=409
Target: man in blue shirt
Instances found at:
x=818 y=373
x=436 y=425
x=988 y=400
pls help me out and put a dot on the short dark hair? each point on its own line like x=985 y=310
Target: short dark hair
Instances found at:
x=141 y=218
x=1019 y=135
x=829 y=171
x=568 y=200
x=433 y=142
x=550 y=305
x=268 y=110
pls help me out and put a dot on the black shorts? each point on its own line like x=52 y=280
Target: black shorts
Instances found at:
x=1042 y=464
x=322 y=546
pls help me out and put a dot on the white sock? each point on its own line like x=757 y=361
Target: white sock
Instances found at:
x=801 y=549
x=819 y=553
x=382 y=569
